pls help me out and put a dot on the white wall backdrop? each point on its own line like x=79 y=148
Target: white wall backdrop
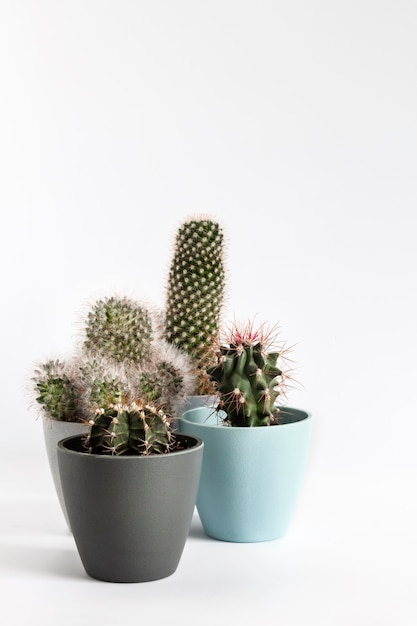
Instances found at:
x=293 y=123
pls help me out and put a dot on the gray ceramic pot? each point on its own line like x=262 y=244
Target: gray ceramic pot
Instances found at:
x=54 y=431
x=130 y=515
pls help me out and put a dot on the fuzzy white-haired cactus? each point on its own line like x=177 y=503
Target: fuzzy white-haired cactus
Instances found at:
x=119 y=329
x=123 y=358
x=195 y=293
x=55 y=391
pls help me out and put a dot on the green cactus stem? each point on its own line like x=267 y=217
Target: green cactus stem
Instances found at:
x=133 y=429
x=119 y=329
x=247 y=378
x=55 y=391
x=195 y=293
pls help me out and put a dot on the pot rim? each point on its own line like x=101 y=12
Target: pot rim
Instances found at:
x=308 y=417
x=125 y=458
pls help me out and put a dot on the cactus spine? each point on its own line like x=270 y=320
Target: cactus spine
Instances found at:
x=132 y=429
x=195 y=293
x=247 y=378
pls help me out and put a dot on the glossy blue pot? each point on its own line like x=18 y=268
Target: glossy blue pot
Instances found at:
x=251 y=477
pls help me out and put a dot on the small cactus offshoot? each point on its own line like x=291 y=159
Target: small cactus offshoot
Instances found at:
x=99 y=383
x=164 y=379
x=136 y=428
x=55 y=391
x=247 y=377
x=195 y=293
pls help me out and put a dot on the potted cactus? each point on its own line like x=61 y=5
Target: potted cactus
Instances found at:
x=128 y=483
x=256 y=448
x=130 y=488
x=121 y=354
x=195 y=299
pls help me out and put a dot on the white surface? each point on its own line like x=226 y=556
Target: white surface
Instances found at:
x=349 y=558
x=295 y=124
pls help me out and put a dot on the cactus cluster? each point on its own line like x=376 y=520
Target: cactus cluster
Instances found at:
x=135 y=428
x=123 y=366
x=131 y=356
x=195 y=294
x=247 y=377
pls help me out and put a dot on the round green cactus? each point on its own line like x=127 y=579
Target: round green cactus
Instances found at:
x=247 y=378
x=195 y=293
x=100 y=384
x=132 y=429
x=119 y=329
x=55 y=391
x=168 y=378
x=164 y=380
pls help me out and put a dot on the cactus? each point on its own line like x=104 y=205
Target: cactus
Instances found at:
x=164 y=379
x=55 y=391
x=247 y=377
x=123 y=356
x=195 y=293
x=127 y=334
x=99 y=383
x=119 y=329
x=167 y=378
x=136 y=428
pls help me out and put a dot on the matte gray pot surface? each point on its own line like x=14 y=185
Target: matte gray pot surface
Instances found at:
x=54 y=431
x=130 y=515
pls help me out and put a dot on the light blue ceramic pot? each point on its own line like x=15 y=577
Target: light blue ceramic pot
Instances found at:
x=251 y=477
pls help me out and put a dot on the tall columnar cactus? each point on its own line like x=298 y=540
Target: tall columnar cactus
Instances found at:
x=55 y=391
x=247 y=377
x=195 y=293
x=132 y=429
x=119 y=329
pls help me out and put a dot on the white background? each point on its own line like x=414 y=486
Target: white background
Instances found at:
x=294 y=124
